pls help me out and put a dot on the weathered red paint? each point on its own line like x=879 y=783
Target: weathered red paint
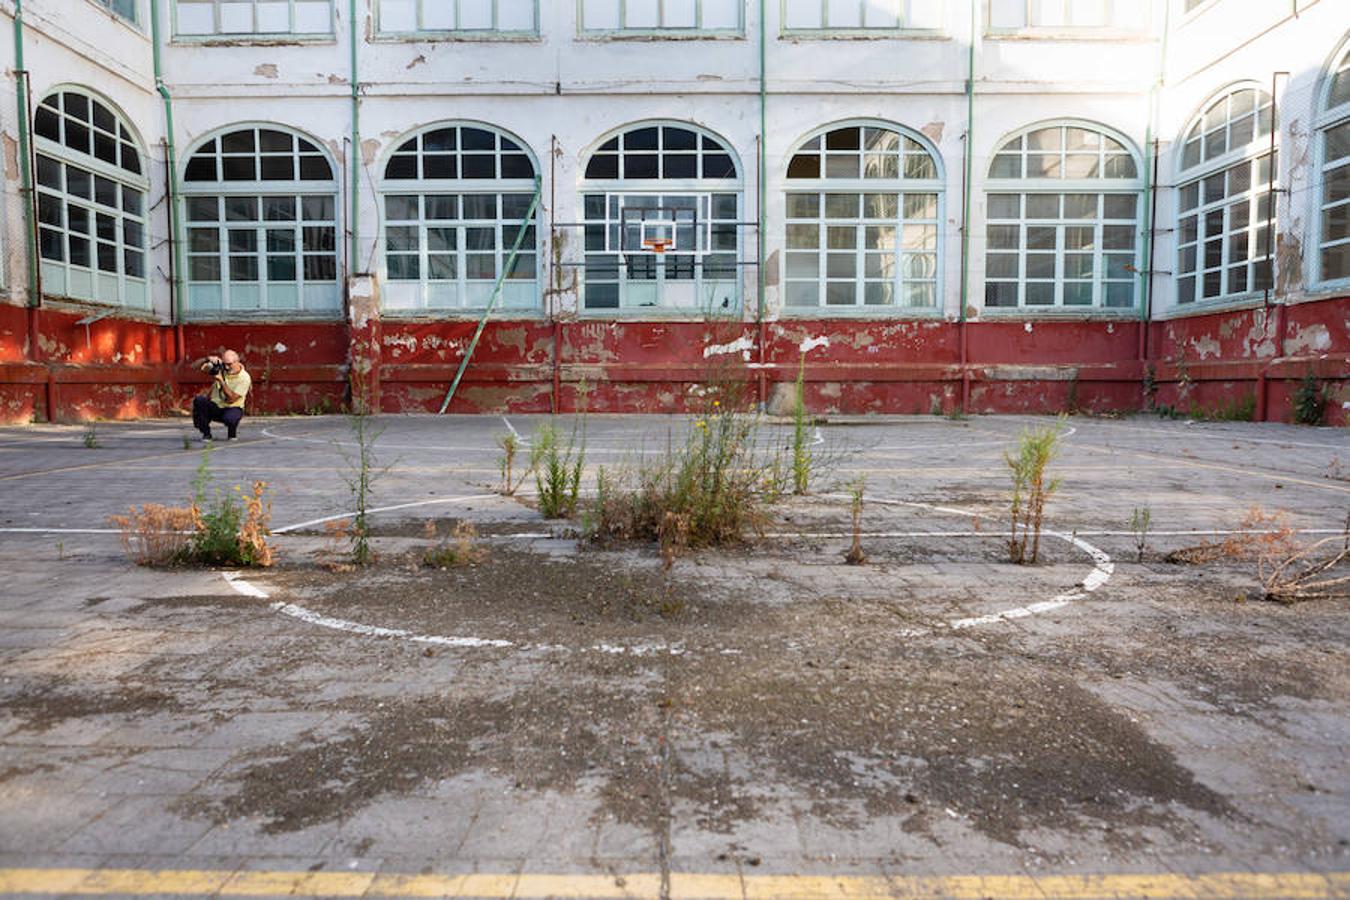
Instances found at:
x=1212 y=363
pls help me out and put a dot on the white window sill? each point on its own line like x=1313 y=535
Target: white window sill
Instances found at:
x=799 y=35
x=254 y=40
x=658 y=34
x=467 y=37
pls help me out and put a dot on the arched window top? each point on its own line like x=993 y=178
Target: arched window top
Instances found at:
x=863 y=151
x=1229 y=124
x=258 y=153
x=460 y=152
x=84 y=124
x=1338 y=88
x=1067 y=152
x=662 y=152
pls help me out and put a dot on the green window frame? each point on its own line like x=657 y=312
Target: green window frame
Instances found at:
x=1333 y=219
x=465 y=17
x=261 y=218
x=454 y=197
x=864 y=205
x=213 y=18
x=91 y=197
x=683 y=176
x=1062 y=221
x=1225 y=217
x=860 y=16
x=669 y=17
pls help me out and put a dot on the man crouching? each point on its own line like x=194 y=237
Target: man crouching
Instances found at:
x=225 y=402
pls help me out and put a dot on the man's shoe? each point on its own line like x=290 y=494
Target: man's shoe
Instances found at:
x=205 y=438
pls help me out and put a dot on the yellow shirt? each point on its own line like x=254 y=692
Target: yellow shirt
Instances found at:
x=238 y=384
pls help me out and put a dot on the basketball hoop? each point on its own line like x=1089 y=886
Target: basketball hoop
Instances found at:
x=657 y=245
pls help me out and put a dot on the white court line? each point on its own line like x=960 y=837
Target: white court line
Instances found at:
x=1101 y=572
x=524 y=441
x=380 y=509
x=295 y=611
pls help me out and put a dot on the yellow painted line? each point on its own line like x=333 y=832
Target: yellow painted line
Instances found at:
x=241 y=883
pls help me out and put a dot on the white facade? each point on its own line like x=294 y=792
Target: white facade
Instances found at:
x=560 y=84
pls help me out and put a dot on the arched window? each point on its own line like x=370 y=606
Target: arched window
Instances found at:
x=261 y=212
x=91 y=190
x=1334 y=221
x=863 y=206
x=662 y=211
x=1225 y=213
x=455 y=200
x=1062 y=220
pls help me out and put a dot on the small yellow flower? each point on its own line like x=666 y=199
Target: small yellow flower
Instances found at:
x=717 y=403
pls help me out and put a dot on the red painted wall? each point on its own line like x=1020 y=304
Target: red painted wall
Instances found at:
x=1223 y=362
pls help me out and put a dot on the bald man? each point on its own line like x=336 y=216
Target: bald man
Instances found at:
x=225 y=402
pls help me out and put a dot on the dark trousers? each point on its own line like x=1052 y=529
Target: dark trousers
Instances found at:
x=204 y=412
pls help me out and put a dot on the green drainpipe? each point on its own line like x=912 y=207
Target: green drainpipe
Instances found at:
x=763 y=169
x=354 y=220
x=26 y=158
x=970 y=161
x=175 y=243
x=1150 y=188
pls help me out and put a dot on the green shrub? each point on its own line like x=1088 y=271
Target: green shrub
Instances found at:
x=557 y=469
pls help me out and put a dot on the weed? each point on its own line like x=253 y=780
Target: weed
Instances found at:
x=223 y=530
x=360 y=475
x=1140 y=521
x=855 y=555
x=801 y=434
x=232 y=530
x=460 y=550
x=557 y=469
x=60 y=550
x=710 y=491
x=510 y=445
x=1150 y=385
x=1036 y=449
x=1310 y=401
x=1071 y=400
x=91 y=436
x=187 y=442
x=956 y=414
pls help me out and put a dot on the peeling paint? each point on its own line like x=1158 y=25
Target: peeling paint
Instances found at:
x=11 y=158
x=809 y=344
x=266 y=70
x=1289 y=261
x=743 y=344
x=418 y=60
x=933 y=131
x=370 y=148
x=1206 y=346
x=1314 y=338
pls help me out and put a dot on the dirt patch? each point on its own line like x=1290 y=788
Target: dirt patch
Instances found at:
x=851 y=726
x=43 y=705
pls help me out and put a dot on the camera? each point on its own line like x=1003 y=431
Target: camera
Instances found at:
x=214 y=367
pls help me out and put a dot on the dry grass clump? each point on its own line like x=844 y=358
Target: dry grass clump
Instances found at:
x=1260 y=535
x=460 y=550
x=1319 y=571
x=157 y=535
